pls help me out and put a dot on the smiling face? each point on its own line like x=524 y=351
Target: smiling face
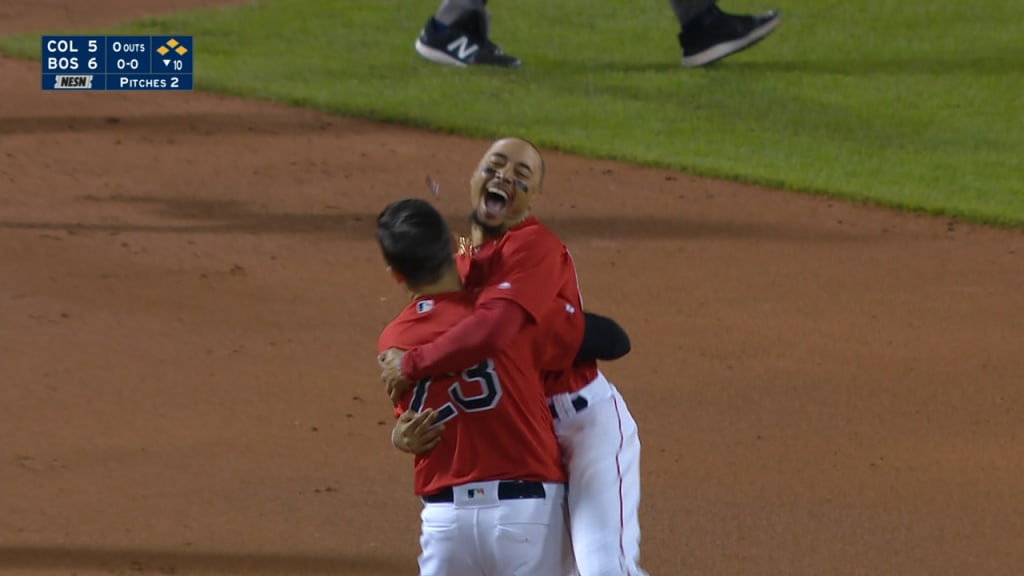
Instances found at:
x=502 y=189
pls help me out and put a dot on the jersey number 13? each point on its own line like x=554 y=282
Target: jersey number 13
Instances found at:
x=490 y=392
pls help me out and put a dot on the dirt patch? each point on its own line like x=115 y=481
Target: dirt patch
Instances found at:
x=190 y=295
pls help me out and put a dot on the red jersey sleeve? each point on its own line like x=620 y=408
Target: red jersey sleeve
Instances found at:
x=486 y=332
x=529 y=271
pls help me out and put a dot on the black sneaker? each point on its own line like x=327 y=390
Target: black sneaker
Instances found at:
x=464 y=43
x=713 y=34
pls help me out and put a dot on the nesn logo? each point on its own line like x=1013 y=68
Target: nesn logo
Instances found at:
x=424 y=306
x=83 y=82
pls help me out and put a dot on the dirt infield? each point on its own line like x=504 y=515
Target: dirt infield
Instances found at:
x=190 y=296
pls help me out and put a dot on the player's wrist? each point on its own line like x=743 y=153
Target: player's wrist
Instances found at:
x=407 y=365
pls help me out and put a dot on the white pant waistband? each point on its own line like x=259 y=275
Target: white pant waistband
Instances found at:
x=489 y=493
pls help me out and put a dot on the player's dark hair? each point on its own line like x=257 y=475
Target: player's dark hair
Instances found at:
x=415 y=241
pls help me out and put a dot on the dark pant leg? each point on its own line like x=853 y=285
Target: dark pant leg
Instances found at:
x=686 y=9
x=450 y=10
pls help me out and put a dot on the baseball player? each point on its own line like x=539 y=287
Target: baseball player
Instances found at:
x=520 y=268
x=493 y=485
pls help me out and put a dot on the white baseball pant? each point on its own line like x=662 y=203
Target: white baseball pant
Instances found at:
x=601 y=449
x=489 y=530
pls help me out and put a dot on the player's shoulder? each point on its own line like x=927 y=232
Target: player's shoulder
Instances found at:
x=534 y=233
x=423 y=319
x=389 y=336
x=397 y=330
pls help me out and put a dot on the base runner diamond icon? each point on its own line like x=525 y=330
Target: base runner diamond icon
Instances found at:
x=172 y=44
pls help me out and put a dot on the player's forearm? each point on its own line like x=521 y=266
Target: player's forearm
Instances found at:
x=491 y=327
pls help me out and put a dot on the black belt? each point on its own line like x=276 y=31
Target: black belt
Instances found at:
x=507 y=490
x=578 y=404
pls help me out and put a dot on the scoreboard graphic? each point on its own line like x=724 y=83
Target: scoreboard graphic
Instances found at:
x=77 y=63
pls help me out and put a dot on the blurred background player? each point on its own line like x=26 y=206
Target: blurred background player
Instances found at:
x=457 y=35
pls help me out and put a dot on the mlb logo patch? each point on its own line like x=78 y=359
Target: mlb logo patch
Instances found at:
x=475 y=493
x=424 y=306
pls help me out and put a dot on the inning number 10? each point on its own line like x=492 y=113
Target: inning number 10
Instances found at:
x=488 y=397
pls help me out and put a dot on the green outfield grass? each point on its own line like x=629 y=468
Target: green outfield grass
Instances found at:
x=908 y=103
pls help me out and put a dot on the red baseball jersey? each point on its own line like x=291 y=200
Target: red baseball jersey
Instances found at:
x=531 y=266
x=497 y=424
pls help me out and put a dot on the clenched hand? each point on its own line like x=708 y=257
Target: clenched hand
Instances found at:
x=390 y=362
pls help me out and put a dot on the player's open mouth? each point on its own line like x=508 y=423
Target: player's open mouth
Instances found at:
x=494 y=202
